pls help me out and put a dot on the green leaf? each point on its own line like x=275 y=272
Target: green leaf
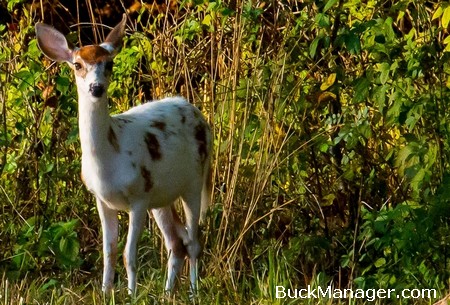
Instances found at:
x=365 y=130
x=226 y=12
x=437 y=13
x=13 y=3
x=384 y=69
x=380 y=262
x=26 y=79
x=323 y=20
x=328 y=200
x=46 y=168
x=329 y=4
x=361 y=89
x=23 y=74
x=62 y=81
x=431 y=156
x=353 y=43
x=323 y=147
x=406 y=152
x=379 y=96
x=446 y=17
x=62 y=245
x=313 y=46
x=446 y=40
x=207 y=20
x=417 y=176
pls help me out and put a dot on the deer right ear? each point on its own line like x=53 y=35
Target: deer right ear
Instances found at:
x=53 y=43
x=113 y=41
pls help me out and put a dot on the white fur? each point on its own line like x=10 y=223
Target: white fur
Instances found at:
x=138 y=161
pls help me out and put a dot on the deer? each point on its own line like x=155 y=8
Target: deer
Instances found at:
x=139 y=161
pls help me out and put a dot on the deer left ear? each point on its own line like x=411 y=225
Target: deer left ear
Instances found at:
x=113 y=41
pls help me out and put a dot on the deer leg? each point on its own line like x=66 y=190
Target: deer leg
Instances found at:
x=174 y=232
x=137 y=216
x=192 y=207
x=110 y=226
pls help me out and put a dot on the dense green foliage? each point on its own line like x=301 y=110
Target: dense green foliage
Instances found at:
x=332 y=155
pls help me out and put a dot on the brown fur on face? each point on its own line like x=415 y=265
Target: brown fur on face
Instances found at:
x=93 y=54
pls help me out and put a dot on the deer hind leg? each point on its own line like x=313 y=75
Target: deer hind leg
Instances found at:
x=192 y=209
x=174 y=234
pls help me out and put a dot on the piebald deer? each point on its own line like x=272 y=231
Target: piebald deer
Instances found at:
x=139 y=161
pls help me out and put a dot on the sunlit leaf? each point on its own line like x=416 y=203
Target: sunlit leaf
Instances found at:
x=437 y=13
x=446 y=17
x=328 y=82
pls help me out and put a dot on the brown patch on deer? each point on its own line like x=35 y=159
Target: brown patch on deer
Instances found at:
x=112 y=139
x=158 y=124
x=93 y=54
x=152 y=146
x=177 y=246
x=148 y=182
x=125 y=121
x=200 y=136
x=182 y=114
x=113 y=252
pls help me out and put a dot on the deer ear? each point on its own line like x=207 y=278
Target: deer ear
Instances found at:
x=53 y=43
x=113 y=41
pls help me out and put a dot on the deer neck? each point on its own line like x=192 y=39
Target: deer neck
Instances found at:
x=94 y=126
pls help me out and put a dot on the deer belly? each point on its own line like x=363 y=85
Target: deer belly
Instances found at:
x=115 y=200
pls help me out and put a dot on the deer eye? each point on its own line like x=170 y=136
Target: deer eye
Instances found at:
x=77 y=66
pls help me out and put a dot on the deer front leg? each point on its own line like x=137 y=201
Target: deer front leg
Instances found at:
x=110 y=226
x=135 y=227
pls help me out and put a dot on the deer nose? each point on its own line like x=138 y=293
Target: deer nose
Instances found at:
x=96 y=89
